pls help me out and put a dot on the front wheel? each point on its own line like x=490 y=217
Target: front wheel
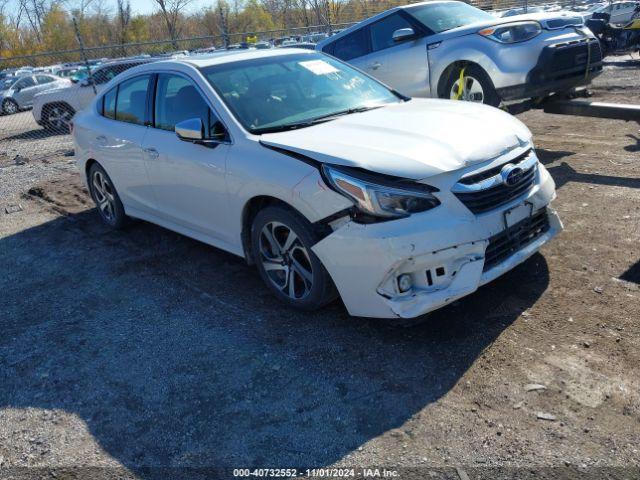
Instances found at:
x=470 y=83
x=281 y=242
x=9 y=107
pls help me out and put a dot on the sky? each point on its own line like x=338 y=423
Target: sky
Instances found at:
x=137 y=6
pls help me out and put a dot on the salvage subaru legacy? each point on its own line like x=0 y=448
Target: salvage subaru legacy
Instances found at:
x=329 y=182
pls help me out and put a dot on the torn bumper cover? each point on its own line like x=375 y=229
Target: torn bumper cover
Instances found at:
x=446 y=257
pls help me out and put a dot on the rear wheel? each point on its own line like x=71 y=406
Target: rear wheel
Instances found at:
x=57 y=117
x=9 y=107
x=281 y=242
x=106 y=198
x=470 y=83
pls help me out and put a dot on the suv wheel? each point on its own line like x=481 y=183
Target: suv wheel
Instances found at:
x=9 y=107
x=281 y=242
x=57 y=117
x=106 y=197
x=470 y=83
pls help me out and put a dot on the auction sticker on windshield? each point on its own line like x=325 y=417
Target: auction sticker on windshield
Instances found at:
x=319 y=67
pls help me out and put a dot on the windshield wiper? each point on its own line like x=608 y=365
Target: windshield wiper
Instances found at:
x=313 y=121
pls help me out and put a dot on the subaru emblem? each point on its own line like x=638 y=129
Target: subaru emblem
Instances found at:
x=511 y=174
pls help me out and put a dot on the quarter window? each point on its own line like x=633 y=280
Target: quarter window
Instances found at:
x=132 y=100
x=177 y=99
x=351 y=46
x=382 y=31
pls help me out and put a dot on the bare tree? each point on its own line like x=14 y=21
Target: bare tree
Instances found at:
x=123 y=19
x=171 y=10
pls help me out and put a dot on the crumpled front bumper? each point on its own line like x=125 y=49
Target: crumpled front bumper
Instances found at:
x=443 y=253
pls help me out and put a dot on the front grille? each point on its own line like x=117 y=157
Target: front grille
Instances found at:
x=571 y=55
x=492 y=172
x=481 y=201
x=514 y=238
x=567 y=60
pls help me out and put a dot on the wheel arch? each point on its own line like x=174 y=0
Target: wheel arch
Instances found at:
x=249 y=212
x=57 y=103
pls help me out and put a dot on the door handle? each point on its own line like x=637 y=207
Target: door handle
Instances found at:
x=152 y=152
x=375 y=65
x=101 y=139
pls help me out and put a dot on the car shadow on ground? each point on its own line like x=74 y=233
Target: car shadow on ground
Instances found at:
x=175 y=354
x=36 y=134
x=564 y=173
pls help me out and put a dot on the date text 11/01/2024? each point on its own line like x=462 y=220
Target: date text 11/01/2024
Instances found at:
x=316 y=472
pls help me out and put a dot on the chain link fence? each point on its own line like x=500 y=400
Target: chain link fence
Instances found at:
x=40 y=93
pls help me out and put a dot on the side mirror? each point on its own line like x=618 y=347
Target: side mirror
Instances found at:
x=192 y=130
x=17 y=89
x=403 y=34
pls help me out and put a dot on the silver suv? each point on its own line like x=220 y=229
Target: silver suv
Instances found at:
x=449 y=49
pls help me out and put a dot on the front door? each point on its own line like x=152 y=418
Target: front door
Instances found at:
x=401 y=64
x=188 y=178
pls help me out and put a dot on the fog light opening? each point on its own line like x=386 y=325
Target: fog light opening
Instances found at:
x=404 y=283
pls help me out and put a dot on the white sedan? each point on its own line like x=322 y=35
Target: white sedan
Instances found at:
x=325 y=179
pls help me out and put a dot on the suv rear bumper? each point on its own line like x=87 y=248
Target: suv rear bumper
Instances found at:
x=560 y=67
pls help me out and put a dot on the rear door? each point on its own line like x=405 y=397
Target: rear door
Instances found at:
x=354 y=49
x=118 y=141
x=402 y=65
x=188 y=178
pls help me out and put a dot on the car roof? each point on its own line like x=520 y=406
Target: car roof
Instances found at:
x=228 y=56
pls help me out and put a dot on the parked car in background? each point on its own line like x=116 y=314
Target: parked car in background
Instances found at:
x=55 y=108
x=17 y=92
x=326 y=180
x=521 y=11
x=619 y=12
x=450 y=49
x=305 y=45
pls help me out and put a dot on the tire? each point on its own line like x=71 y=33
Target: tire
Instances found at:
x=289 y=267
x=106 y=198
x=479 y=89
x=57 y=118
x=10 y=107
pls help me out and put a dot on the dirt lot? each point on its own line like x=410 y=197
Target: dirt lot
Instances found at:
x=134 y=351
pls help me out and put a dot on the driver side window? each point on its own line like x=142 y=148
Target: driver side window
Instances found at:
x=382 y=31
x=177 y=99
x=25 y=83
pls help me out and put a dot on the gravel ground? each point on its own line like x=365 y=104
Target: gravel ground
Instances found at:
x=132 y=353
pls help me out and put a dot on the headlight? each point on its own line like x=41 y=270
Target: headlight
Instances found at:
x=381 y=197
x=512 y=32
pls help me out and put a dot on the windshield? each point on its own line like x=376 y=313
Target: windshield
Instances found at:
x=289 y=91
x=439 y=17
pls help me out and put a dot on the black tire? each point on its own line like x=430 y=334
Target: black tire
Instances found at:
x=57 y=117
x=101 y=188
x=10 y=106
x=474 y=73
x=316 y=282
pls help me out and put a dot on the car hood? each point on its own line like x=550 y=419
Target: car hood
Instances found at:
x=62 y=87
x=415 y=139
x=546 y=19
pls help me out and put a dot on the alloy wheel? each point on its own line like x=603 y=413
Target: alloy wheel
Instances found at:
x=10 y=107
x=286 y=260
x=59 y=118
x=103 y=193
x=472 y=91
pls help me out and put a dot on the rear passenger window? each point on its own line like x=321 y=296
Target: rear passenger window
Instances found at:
x=131 y=101
x=109 y=105
x=382 y=31
x=351 y=46
x=177 y=99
